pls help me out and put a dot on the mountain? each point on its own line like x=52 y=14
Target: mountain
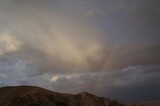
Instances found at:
x=36 y=96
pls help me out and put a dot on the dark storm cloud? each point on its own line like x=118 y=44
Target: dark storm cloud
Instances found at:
x=69 y=45
x=128 y=21
x=125 y=25
x=133 y=26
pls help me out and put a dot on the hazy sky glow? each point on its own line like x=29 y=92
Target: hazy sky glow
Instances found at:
x=107 y=47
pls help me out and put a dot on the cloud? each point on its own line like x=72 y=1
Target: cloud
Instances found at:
x=84 y=45
x=8 y=43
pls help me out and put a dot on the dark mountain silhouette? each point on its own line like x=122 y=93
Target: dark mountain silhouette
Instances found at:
x=35 y=96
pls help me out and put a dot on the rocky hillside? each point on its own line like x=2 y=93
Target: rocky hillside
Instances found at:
x=35 y=96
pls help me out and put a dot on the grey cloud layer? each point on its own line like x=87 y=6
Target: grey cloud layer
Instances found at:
x=56 y=29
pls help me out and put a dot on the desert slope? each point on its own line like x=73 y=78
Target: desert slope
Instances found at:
x=35 y=96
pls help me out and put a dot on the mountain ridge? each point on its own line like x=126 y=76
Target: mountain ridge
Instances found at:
x=37 y=96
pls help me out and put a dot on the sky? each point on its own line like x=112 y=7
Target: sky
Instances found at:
x=110 y=48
